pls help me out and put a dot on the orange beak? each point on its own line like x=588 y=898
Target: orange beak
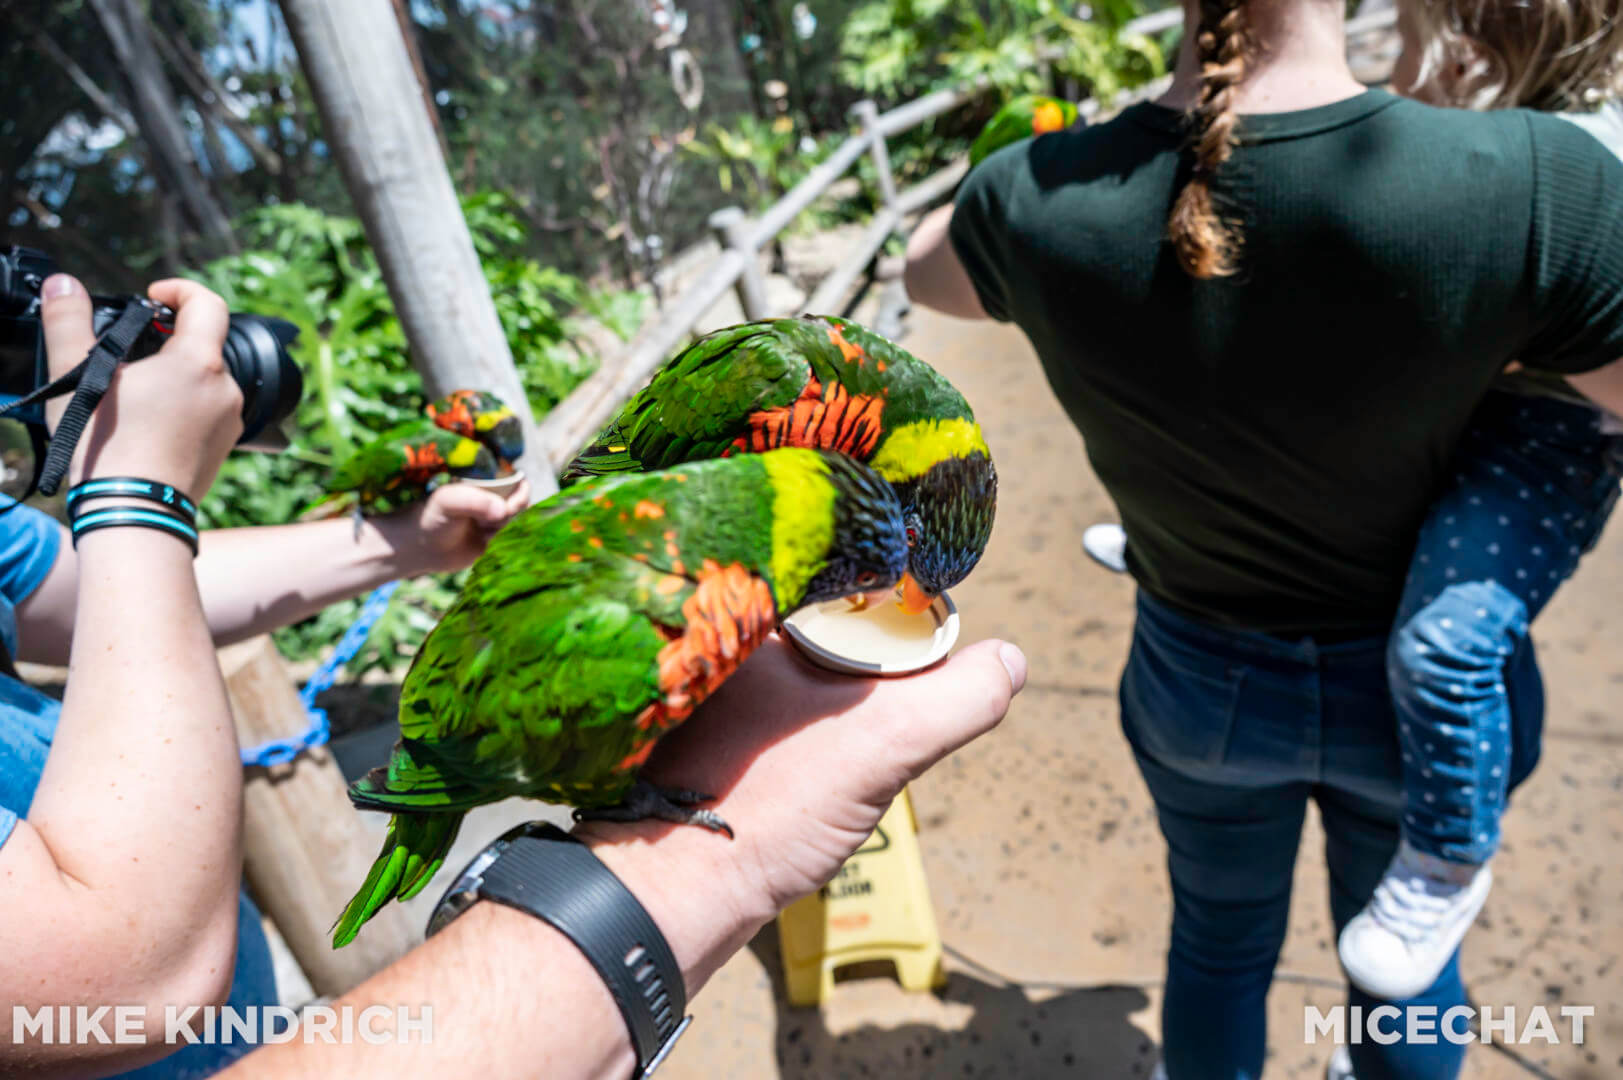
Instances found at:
x=914 y=599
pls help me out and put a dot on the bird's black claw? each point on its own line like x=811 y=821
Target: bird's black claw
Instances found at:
x=675 y=805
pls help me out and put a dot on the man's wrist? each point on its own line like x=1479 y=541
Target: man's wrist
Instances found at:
x=683 y=877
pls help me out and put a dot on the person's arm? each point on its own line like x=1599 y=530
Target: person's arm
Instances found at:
x=804 y=762
x=254 y=580
x=120 y=887
x=935 y=276
x=1603 y=386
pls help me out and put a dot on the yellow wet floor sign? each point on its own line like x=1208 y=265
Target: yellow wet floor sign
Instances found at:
x=876 y=908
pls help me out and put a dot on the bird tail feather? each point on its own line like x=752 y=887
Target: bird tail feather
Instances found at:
x=412 y=852
x=427 y=812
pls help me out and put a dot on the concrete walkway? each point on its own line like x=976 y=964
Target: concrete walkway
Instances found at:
x=1047 y=868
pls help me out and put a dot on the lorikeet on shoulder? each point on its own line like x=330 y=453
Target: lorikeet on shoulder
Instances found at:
x=827 y=383
x=398 y=466
x=1021 y=118
x=481 y=415
x=597 y=621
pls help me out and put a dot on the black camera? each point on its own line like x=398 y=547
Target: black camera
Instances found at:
x=255 y=349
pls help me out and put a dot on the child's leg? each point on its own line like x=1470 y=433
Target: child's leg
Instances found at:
x=1535 y=483
x=1534 y=486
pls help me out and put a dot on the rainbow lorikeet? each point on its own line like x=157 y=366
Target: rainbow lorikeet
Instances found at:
x=481 y=415
x=1021 y=118
x=468 y=434
x=398 y=467
x=821 y=382
x=597 y=621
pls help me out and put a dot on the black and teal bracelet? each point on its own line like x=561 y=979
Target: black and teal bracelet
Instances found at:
x=165 y=495
x=173 y=513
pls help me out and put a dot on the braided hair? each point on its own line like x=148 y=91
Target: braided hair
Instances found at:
x=1204 y=243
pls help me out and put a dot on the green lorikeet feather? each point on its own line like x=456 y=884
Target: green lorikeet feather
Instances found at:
x=826 y=383
x=598 y=620
x=1021 y=118
x=398 y=466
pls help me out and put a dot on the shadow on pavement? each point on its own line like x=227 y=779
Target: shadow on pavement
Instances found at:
x=1073 y=1033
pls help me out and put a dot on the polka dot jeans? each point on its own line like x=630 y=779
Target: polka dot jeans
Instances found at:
x=1534 y=484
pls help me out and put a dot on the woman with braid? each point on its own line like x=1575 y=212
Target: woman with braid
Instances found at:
x=1273 y=302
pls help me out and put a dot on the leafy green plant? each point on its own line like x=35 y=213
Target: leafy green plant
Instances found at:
x=901 y=48
x=755 y=160
x=315 y=270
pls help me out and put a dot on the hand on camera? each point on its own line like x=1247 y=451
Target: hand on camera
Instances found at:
x=170 y=418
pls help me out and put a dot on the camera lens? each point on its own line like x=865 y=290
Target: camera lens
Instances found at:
x=256 y=355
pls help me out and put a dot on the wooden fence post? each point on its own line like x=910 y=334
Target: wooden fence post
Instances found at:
x=305 y=848
x=373 y=116
x=732 y=228
x=866 y=115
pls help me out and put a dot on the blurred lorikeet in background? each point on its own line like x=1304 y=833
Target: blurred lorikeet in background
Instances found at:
x=1021 y=118
x=481 y=415
x=821 y=382
x=597 y=621
x=468 y=434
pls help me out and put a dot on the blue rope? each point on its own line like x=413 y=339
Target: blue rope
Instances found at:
x=319 y=731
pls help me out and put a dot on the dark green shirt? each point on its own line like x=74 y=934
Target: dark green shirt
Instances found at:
x=1274 y=439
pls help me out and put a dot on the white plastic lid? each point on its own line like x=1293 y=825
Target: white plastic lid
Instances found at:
x=879 y=640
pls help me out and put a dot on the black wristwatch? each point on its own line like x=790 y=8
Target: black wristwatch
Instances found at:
x=540 y=869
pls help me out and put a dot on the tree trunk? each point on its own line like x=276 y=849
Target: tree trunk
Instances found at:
x=363 y=82
x=158 y=116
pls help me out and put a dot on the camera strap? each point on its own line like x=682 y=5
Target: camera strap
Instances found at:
x=88 y=380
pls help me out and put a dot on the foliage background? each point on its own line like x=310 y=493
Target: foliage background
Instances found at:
x=580 y=170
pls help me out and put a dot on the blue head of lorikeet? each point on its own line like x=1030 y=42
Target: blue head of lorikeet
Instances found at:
x=948 y=512
x=481 y=415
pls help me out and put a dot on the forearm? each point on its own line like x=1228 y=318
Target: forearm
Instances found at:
x=497 y=970
x=1603 y=386
x=121 y=886
x=935 y=277
x=257 y=579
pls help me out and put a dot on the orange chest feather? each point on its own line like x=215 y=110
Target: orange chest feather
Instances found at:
x=728 y=615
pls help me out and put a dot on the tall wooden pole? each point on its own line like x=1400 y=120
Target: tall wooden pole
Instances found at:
x=373 y=117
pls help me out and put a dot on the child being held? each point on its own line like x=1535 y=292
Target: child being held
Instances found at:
x=1536 y=477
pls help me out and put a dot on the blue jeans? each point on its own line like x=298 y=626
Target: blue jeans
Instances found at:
x=1234 y=732
x=1535 y=482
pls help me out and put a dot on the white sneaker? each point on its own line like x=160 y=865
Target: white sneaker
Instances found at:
x=1107 y=544
x=1397 y=946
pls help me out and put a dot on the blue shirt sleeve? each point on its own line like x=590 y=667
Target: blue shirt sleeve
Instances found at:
x=29 y=544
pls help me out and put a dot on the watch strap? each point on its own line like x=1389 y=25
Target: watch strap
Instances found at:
x=542 y=870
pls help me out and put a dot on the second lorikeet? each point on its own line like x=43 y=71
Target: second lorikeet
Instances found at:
x=1021 y=118
x=821 y=382
x=481 y=415
x=398 y=466
x=596 y=622
x=468 y=434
